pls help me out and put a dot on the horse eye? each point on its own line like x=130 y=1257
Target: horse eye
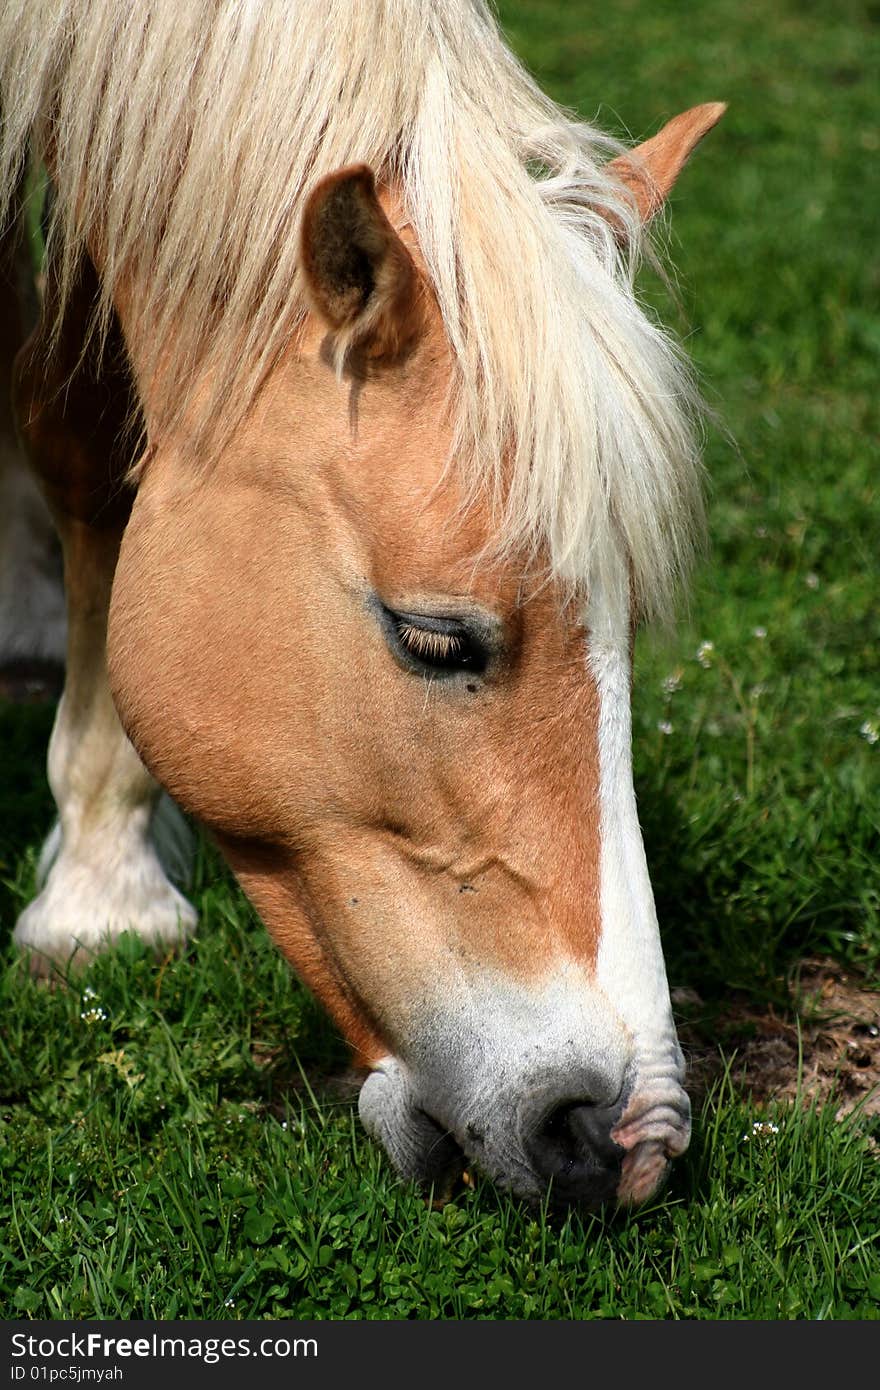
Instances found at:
x=436 y=645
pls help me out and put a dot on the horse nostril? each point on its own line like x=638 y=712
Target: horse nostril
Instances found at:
x=590 y=1126
x=573 y=1150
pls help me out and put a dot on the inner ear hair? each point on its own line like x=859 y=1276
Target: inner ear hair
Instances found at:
x=360 y=277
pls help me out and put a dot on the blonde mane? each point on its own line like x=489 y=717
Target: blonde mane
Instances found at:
x=184 y=139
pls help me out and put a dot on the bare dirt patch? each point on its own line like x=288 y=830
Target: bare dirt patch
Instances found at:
x=827 y=1049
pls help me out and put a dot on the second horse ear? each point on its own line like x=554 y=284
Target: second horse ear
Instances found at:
x=359 y=276
x=651 y=169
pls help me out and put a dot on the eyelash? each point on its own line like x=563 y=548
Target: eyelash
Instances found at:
x=430 y=646
x=442 y=647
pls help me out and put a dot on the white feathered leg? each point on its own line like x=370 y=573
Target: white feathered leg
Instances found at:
x=101 y=873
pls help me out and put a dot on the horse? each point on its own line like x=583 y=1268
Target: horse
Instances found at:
x=366 y=463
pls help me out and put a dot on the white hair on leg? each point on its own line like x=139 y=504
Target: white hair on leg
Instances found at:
x=103 y=872
x=172 y=835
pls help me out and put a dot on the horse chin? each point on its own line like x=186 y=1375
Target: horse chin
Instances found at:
x=419 y=1148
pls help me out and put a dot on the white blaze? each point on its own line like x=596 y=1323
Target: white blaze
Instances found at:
x=630 y=968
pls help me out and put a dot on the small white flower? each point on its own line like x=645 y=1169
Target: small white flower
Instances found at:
x=761 y=1129
x=229 y=1303
x=869 y=731
x=757 y=691
x=811 y=580
x=704 y=654
x=89 y=993
x=664 y=726
x=93 y=1015
x=759 y=632
x=672 y=683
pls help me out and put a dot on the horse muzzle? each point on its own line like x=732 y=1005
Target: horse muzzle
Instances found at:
x=574 y=1144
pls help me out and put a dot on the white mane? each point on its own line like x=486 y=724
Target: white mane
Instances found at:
x=186 y=137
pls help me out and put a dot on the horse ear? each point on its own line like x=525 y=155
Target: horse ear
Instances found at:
x=650 y=170
x=359 y=275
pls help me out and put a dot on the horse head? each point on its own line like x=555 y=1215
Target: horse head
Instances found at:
x=413 y=746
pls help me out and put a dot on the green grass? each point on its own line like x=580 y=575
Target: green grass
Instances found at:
x=155 y=1165
x=172 y=1159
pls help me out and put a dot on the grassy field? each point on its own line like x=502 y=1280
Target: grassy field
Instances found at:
x=169 y=1143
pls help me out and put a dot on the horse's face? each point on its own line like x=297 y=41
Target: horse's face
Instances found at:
x=417 y=764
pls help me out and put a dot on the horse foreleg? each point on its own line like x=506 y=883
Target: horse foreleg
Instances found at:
x=32 y=621
x=102 y=874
